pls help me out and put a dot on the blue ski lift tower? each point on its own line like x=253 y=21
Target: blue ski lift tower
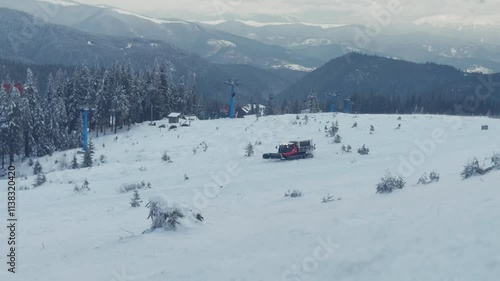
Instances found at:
x=348 y=102
x=233 y=83
x=334 y=99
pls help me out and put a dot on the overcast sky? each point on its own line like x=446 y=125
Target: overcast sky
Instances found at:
x=327 y=11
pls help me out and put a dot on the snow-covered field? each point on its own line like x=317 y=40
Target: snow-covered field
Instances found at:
x=446 y=231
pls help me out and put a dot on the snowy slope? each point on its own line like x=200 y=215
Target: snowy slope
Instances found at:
x=443 y=231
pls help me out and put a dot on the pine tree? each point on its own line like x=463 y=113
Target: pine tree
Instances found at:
x=313 y=102
x=249 y=150
x=39 y=180
x=136 y=200
x=12 y=124
x=37 y=168
x=74 y=163
x=270 y=109
x=36 y=140
x=87 y=156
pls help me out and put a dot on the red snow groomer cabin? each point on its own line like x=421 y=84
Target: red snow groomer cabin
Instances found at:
x=293 y=150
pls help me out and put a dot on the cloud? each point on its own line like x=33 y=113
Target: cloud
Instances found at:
x=328 y=11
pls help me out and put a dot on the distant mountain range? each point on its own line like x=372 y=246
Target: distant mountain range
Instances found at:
x=367 y=74
x=31 y=41
x=214 y=45
x=288 y=57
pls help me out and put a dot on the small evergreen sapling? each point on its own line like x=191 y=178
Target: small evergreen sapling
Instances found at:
x=433 y=177
x=39 y=180
x=346 y=149
x=389 y=183
x=328 y=199
x=169 y=216
x=364 y=150
x=372 y=129
x=136 y=200
x=166 y=158
x=74 y=163
x=249 y=150
x=37 y=168
x=82 y=189
x=87 y=156
x=355 y=125
x=293 y=194
x=472 y=168
x=338 y=139
x=495 y=161
x=333 y=130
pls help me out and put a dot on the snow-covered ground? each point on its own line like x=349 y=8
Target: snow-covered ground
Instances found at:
x=443 y=231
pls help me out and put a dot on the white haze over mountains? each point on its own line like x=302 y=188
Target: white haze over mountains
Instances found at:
x=476 y=12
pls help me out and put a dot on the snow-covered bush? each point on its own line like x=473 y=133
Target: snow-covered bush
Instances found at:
x=127 y=187
x=433 y=177
x=87 y=156
x=355 y=125
x=328 y=199
x=293 y=194
x=169 y=216
x=37 y=168
x=363 y=150
x=63 y=163
x=472 y=168
x=74 y=163
x=423 y=179
x=372 y=129
x=186 y=177
x=333 y=130
x=389 y=183
x=166 y=158
x=103 y=159
x=82 y=189
x=24 y=187
x=346 y=149
x=338 y=139
x=249 y=150
x=495 y=161
x=30 y=162
x=136 y=200
x=39 y=180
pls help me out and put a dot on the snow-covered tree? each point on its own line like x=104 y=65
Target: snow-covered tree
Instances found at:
x=249 y=150
x=39 y=180
x=389 y=183
x=88 y=155
x=169 y=216
x=363 y=150
x=270 y=108
x=136 y=200
x=313 y=102
x=74 y=163
x=12 y=123
x=37 y=168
